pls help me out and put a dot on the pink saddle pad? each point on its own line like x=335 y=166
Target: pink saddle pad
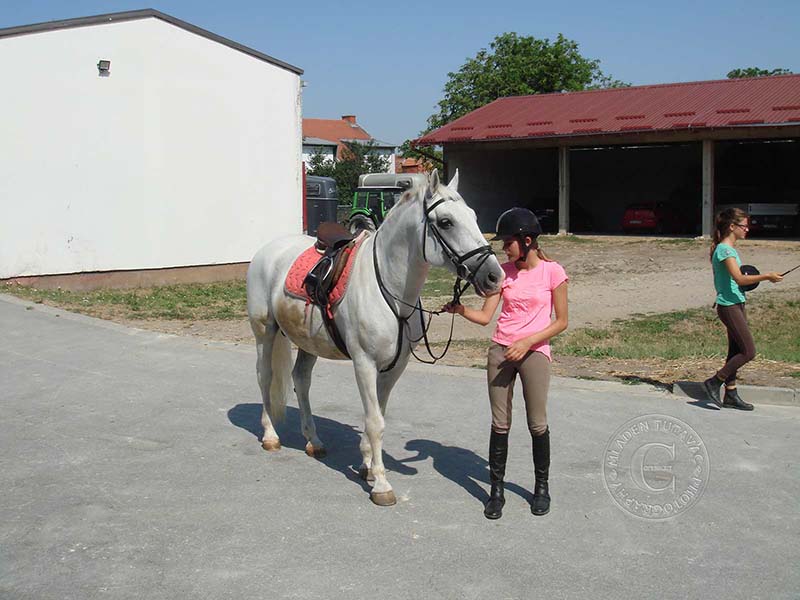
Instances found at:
x=306 y=261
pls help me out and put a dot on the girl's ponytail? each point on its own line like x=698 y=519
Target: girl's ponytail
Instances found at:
x=540 y=253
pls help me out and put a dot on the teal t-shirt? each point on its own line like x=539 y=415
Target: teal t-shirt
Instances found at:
x=728 y=292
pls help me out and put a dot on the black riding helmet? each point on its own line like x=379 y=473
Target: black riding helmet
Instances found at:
x=517 y=222
x=749 y=270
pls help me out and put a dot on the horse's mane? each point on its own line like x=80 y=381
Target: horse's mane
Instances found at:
x=415 y=193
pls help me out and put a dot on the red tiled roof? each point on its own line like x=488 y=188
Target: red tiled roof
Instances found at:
x=333 y=130
x=703 y=104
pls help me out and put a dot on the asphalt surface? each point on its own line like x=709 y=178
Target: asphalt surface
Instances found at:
x=130 y=467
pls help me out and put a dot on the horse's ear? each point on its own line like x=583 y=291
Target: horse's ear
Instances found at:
x=433 y=182
x=453 y=185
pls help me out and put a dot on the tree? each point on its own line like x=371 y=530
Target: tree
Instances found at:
x=756 y=72
x=516 y=66
x=432 y=156
x=356 y=159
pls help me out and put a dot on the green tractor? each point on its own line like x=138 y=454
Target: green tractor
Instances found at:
x=375 y=195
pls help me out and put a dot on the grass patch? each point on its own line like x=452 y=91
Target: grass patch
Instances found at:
x=698 y=333
x=225 y=300
x=440 y=283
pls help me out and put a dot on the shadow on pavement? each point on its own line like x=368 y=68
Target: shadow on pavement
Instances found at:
x=341 y=440
x=461 y=466
x=695 y=391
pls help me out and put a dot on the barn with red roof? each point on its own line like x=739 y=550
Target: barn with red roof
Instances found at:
x=586 y=158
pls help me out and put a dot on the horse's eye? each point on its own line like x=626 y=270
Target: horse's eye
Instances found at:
x=445 y=223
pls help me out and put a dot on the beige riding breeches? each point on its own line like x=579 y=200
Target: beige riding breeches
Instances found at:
x=534 y=371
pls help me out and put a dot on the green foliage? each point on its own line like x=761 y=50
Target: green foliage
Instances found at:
x=517 y=65
x=357 y=159
x=432 y=155
x=756 y=72
x=318 y=165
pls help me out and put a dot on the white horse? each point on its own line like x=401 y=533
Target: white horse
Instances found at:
x=430 y=225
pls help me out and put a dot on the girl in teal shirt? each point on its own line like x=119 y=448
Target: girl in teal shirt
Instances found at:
x=732 y=225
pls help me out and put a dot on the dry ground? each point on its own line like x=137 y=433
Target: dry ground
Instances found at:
x=610 y=278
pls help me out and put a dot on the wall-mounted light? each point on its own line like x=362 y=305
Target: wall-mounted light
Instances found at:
x=104 y=68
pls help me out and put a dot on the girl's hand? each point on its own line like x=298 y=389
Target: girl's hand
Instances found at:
x=456 y=308
x=516 y=351
x=774 y=277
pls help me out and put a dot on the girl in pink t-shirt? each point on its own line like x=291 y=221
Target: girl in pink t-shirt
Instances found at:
x=533 y=290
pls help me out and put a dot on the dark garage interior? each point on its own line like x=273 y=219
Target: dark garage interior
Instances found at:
x=760 y=176
x=665 y=179
x=502 y=179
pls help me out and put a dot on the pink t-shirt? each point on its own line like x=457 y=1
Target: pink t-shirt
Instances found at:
x=528 y=303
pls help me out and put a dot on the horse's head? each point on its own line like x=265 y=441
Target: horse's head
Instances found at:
x=453 y=239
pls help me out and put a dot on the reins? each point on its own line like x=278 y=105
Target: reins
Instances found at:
x=463 y=274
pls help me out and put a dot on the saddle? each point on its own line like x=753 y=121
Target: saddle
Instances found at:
x=320 y=274
x=332 y=240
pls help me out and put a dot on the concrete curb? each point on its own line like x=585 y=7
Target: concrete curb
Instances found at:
x=751 y=393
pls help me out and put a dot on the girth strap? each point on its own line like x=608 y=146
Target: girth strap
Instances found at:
x=333 y=331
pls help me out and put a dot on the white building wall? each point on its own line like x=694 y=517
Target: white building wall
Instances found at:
x=187 y=154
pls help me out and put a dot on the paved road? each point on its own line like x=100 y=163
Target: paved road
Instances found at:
x=130 y=467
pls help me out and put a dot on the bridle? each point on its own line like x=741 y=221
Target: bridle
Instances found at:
x=463 y=272
x=460 y=262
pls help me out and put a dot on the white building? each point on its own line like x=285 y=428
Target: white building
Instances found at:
x=137 y=141
x=325 y=148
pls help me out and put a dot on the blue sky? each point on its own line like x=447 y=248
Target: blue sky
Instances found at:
x=387 y=62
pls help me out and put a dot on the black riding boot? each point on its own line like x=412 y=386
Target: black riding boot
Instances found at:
x=498 y=453
x=732 y=400
x=541 y=468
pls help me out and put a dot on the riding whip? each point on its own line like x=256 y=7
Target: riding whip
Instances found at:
x=790 y=270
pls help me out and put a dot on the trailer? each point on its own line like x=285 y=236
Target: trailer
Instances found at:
x=375 y=195
x=766 y=217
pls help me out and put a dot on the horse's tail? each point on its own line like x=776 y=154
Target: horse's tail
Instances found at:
x=281 y=386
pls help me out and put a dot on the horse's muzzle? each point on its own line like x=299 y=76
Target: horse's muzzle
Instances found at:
x=488 y=279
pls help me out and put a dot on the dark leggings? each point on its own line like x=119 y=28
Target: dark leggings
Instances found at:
x=741 y=348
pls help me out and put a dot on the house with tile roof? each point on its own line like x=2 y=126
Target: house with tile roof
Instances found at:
x=327 y=137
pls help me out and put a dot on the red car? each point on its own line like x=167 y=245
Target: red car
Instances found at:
x=654 y=217
x=639 y=217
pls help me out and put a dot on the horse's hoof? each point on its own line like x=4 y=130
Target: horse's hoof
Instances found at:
x=366 y=474
x=316 y=452
x=271 y=445
x=383 y=498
